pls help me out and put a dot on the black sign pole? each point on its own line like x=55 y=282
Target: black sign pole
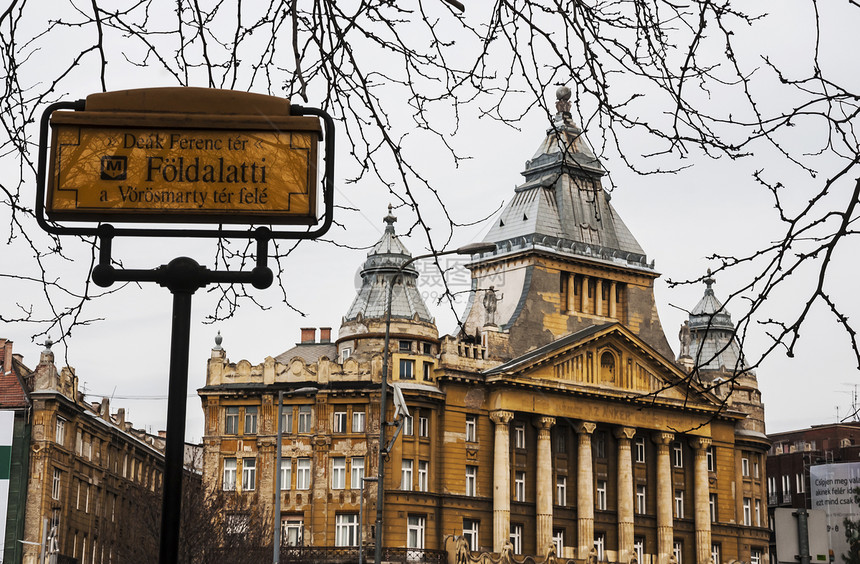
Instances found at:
x=182 y=276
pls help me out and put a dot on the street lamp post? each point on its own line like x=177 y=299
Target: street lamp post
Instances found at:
x=470 y=249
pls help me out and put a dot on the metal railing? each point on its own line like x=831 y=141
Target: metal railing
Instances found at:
x=349 y=555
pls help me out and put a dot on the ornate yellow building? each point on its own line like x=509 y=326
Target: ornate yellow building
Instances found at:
x=557 y=417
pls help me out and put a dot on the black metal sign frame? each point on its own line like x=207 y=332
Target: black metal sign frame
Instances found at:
x=182 y=276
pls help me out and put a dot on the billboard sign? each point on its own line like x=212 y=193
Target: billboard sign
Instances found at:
x=833 y=488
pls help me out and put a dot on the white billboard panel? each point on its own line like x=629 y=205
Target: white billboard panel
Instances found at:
x=833 y=488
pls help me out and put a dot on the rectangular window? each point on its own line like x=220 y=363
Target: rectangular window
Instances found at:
x=640 y=499
x=560 y=442
x=600 y=444
x=357 y=467
x=79 y=443
x=303 y=474
x=786 y=483
x=640 y=451
x=415 y=526
x=712 y=505
x=471 y=480
x=601 y=495
x=470 y=531
x=423 y=476
x=357 y=421
x=561 y=490
x=406 y=475
x=519 y=436
x=517 y=537
x=339 y=422
x=231 y=421
x=292 y=531
x=286 y=473
x=229 y=474
x=305 y=419
x=427 y=348
x=519 y=486
x=60 y=431
x=427 y=369
x=800 y=485
x=407 y=426
x=745 y=466
x=756 y=471
x=338 y=473
x=471 y=428
x=558 y=540
x=287 y=420
x=639 y=548
x=423 y=427
x=678 y=550
x=346 y=529
x=251 y=420
x=345 y=353
x=55 y=484
x=711 y=458
x=758 y=513
x=747 y=511
x=249 y=474
x=405 y=346
x=716 y=549
x=755 y=556
x=407 y=369
x=679 y=504
x=677 y=455
x=600 y=545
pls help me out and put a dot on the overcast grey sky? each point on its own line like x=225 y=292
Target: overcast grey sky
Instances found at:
x=680 y=219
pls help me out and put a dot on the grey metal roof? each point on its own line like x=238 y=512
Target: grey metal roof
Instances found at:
x=562 y=203
x=712 y=334
x=384 y=262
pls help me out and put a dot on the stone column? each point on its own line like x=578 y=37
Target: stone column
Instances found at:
x=598 y=297
x=571 y=292
x=544 y=488
x=701 y=499
x=584 y=296
x=584 y=491
x=664 y=497
x=625 y=493
x=613 y=293
x=501 y=479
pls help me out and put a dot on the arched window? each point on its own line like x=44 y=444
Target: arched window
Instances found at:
x=607 y=367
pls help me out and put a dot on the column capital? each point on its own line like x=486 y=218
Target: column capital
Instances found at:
x=501 y=417
x=698 y=443
x=624 y=432
x=585 y=427
x=543 y=422
x=663 y=438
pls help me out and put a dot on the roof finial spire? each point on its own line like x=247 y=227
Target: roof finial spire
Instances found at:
x=389 y=219
x=709 y=281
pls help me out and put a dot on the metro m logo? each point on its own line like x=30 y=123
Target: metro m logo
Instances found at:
x=114 y=168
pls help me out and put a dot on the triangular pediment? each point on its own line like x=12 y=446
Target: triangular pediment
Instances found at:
x=606 y=360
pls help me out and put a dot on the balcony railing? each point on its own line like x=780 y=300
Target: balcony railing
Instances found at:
x=786 y=497
x=772 y=499
x=349 y=555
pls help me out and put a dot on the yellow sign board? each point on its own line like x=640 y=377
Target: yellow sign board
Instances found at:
x=106 y=167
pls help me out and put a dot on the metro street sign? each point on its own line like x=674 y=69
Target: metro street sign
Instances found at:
x=183 y=155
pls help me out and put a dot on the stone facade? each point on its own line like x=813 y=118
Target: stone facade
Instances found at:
x=85 y=466
x=554 y=422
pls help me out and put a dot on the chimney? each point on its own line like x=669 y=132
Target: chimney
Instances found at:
x=325 y=334
x=309 y=335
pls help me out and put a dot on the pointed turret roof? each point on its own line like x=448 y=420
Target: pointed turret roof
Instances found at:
x=562 y=204
x=384 y=261
x=712 y=333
